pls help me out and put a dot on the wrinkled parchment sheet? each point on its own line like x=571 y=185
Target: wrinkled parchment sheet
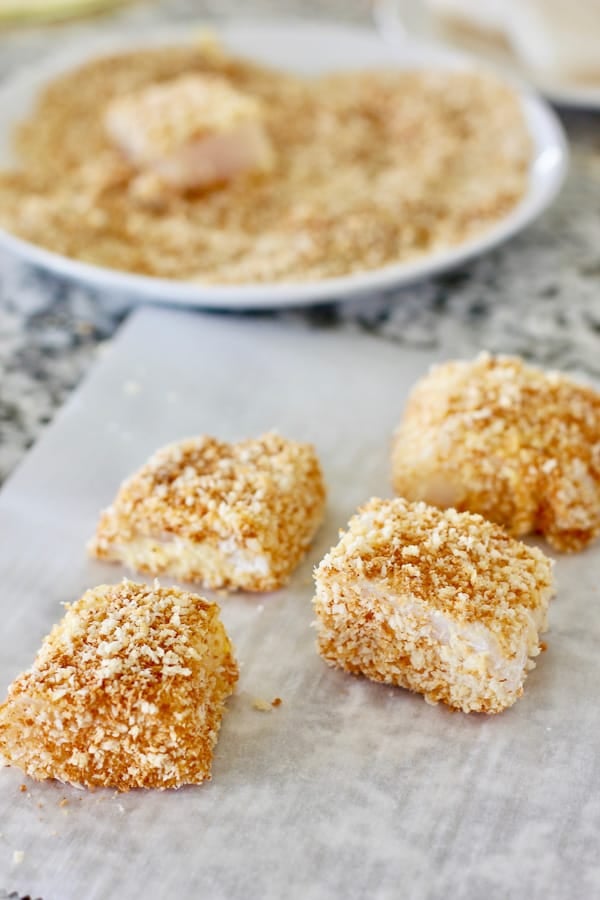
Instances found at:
x=349 y=789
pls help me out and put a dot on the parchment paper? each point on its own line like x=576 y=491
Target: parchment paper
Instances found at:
x=349 y=789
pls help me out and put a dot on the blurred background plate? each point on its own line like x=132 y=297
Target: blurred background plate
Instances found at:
x=307 y=49
x=403 y=21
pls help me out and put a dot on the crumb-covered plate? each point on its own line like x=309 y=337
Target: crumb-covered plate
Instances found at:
x=306 y=50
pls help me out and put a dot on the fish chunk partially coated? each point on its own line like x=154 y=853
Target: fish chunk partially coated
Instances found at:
x=226 y=515
x=190 y=132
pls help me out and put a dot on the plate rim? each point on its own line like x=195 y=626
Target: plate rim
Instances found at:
x=275 y=295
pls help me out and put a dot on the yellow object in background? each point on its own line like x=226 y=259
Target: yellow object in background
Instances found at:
x=49 y=10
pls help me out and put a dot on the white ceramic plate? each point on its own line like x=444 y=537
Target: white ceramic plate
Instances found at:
x=307 y=49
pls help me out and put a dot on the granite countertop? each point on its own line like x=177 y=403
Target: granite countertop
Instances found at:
x=538 y=296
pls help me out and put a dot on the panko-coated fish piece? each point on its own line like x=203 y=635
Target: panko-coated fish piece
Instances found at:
x=516 y=444
x=226 y=515
x=443 y=603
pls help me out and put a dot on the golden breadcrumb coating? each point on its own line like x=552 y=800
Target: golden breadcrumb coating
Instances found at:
x=443 y=603
x=126 y=691
x=371 y=168
x=495 y=436
x=227 y=515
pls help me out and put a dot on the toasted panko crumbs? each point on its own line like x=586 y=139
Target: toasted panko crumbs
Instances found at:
x=371 y=168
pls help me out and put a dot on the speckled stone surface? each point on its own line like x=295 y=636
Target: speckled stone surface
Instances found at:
x=538 y=296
